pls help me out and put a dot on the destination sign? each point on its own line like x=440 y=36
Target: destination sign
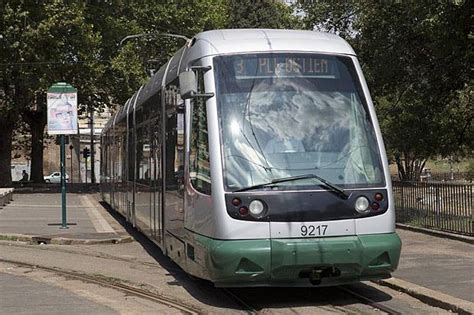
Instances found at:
x=269 y=67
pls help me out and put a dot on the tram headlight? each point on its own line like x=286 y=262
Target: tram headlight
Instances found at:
x=257 y=208
x=362 y=204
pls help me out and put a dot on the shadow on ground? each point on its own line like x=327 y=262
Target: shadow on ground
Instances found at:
x=259 y=298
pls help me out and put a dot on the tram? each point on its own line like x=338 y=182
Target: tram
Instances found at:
x=254 y=158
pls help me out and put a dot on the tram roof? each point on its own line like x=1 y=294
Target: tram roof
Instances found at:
x=261 y=40
x=234 y=41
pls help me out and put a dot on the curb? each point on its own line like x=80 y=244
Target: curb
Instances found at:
x=456 y=237
x=44 y=239
x=428 y=296
x=34 y=188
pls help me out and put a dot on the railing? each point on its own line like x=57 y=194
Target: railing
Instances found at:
x=440 y=206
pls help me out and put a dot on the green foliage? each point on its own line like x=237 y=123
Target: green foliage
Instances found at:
x=470 y=171
x=41 y=45
x=330 y=16
x=78 y=42
x=261 y=14
x=416 y=59
x=132 y=63
x=459 y=122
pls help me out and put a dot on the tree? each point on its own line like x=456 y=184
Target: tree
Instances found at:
x=13 y=84
x=330 y=16
x=416 y=59
x=52 y=43
x=78 y=43
x=133 y=62
x=261 y=14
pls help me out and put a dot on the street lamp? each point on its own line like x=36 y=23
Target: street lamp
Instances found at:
x=134 y=36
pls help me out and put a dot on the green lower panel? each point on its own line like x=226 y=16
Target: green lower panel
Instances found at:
x=246 y=261
x=294 y=262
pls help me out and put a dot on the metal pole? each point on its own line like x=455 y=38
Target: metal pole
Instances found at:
x=85 y=176
x=92 y=147
x=63 y=183
x=79 y=177
x=72 y=174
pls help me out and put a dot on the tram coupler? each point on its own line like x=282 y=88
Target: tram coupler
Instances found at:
x=316 y=274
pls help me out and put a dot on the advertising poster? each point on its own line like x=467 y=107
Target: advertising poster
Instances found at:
x=62 y=113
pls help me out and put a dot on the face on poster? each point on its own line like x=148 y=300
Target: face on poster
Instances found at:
x=62 y=113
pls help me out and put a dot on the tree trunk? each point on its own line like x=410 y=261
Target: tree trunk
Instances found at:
x=6 y=130
x=400 y=168
x=13 y=101
x=36 y=120
x=409 y=169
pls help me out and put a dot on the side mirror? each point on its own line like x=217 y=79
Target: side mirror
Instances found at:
x=187 y=84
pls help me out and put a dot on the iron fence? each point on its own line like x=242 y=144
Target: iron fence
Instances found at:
x=442 y=206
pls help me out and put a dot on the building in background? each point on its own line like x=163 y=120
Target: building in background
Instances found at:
x=84 y=141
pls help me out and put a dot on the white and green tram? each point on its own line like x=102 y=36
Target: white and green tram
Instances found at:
x=254 y=158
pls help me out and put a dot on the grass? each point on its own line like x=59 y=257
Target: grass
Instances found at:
x=8 y=238
x=440 y=166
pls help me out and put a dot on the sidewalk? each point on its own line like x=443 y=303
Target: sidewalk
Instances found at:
x=436 y=269
x=37 y=218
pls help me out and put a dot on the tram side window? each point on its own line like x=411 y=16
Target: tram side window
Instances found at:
x=199 y=165
x=131 y=155
x=142 y=173
x=174 y=138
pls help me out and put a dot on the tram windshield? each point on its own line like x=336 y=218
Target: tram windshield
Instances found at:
x=287 y=115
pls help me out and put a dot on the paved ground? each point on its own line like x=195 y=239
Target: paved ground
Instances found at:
x=40 y=215
x=142 y=265
x=439 y=264
x=40 y=298
x=25 y=290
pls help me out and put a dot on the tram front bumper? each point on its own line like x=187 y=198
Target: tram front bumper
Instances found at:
x=301 y=262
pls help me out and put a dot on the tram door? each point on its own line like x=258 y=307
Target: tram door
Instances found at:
x=129 y=183
x=156 y=180
x=174 y=172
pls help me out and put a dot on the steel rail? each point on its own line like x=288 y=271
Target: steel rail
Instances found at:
x=369 y=301
x=246 y=307
x=84 y=253
x=114 y=285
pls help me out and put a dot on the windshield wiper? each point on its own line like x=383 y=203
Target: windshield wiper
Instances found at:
x=330 y=186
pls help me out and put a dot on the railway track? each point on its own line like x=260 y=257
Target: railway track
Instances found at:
x=368 y=301
x=246 y=307
x=239 y=300
x=253 y=308
x=84 y=253
x=114 y=284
